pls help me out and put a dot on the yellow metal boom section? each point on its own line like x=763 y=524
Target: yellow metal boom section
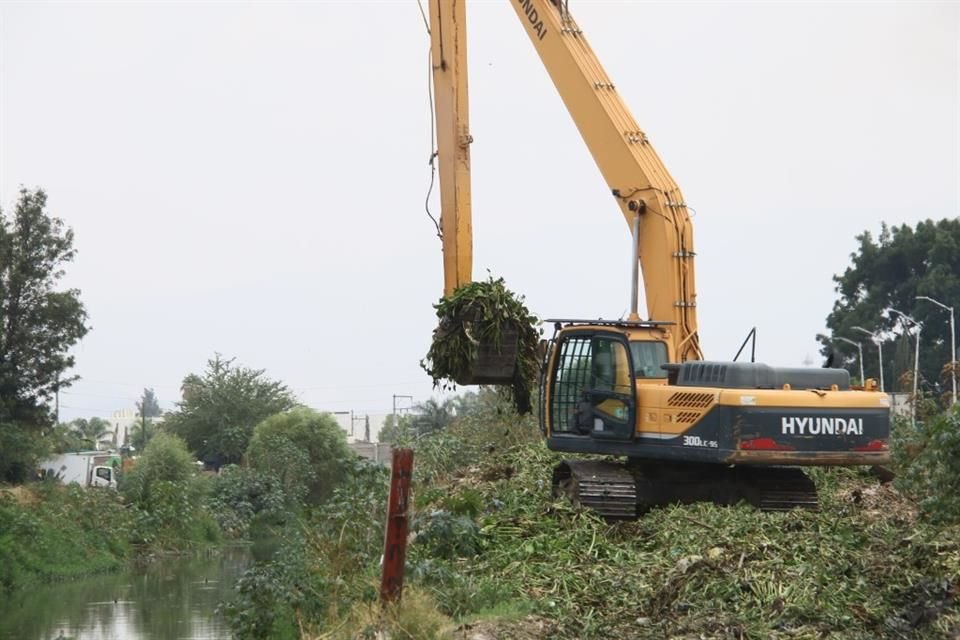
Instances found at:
x=634 y=172
x=631 y=167
x=448 y=55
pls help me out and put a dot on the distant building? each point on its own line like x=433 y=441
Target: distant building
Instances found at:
x=379 y=452
x=123 y=423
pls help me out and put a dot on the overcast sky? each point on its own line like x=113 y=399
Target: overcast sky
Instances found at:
x=249 y=178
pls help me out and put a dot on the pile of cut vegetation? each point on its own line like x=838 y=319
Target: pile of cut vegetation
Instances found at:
x=500 y=555
x=486 y=335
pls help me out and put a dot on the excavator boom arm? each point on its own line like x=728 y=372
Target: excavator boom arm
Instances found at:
x=635 y=175
x=448 y=57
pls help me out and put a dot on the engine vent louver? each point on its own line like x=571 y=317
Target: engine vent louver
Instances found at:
x=690 y=400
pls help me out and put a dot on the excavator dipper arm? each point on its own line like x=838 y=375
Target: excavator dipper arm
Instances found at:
x=637 y=178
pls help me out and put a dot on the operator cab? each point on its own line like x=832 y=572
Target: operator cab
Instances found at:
x=591 y=377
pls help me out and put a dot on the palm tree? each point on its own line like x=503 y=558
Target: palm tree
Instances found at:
x=432 y=415
x=91 y=431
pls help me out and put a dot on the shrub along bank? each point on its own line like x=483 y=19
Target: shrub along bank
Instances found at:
x=49 y=531
x=494 y=554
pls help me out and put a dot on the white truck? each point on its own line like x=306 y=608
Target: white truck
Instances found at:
x=86 y=468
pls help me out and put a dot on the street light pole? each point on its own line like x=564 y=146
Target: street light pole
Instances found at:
x=916 y=358
x=877 y=341
x=859 y=346
x=395 y=398
x=953 y=346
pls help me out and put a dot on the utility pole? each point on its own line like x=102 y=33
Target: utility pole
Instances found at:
x=953 y=346
x=352 y=421
x=395 y=398
x=916 y=359
x=879 y=342
x=859 y=347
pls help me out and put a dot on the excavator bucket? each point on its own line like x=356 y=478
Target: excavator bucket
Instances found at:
x=494 y=363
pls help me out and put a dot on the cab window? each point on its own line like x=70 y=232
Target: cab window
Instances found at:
x=611 y=370
x=649 y=356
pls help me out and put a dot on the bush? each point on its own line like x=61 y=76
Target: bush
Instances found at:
x=49 y=531
x=240 y=494
x=321 y=566
x=20 y=450
x=301 y=447
x=166 y=458
x=167 y=497
x=927 y=459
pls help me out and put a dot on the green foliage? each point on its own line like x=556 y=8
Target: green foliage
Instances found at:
x=89 y=432
x=432 y=415
x=446 y=535
x=396 y=429
x=284 y=464
x=38 y=323
x=141 y=432
x=147 y=405
x=324 y=565
x=167 y=497
x=240 y=494
x=64 y=438
x=20 y=451
x=856 y=569
x=483 y=312
x=301 y=448
x=166 y=458
x=221 y=407
x=928 y=465
x=890 y=272
x=270 y=594
x=52 y=531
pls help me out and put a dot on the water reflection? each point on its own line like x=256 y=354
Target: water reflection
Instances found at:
x=173 y=598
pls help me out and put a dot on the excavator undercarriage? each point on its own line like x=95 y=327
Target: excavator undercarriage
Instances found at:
x=622 y=491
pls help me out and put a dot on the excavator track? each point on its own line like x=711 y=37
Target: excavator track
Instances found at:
x=607 y=488
x=782 y=489
x=618 y=491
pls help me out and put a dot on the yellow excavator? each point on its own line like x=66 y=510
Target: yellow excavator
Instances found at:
x=685 y=428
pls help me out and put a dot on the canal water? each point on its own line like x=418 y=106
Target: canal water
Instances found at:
x=169 y=599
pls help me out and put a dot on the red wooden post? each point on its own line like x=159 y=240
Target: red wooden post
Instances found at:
x=395 y=538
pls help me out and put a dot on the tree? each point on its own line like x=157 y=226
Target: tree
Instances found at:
x=432 y=415
x=301 y=448
x=140 y=434
x=165 y=459
x=890 y=272
x=91 y=431
x=38 y=323
x=396 y=429
x=147 y=405
x=221 y=407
